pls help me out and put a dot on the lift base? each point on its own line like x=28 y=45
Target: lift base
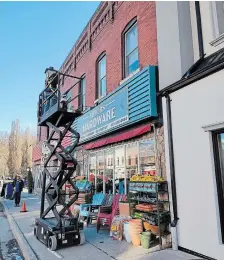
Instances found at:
x=47 y=231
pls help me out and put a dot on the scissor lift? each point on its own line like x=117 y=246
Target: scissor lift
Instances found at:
x=61 y=227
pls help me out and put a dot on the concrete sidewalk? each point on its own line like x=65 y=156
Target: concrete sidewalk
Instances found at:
x=9 y=249
x=98 y=246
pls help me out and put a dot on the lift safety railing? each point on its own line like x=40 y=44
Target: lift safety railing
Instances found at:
x=53 y=95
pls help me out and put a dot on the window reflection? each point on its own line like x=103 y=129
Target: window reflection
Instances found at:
x=120 y=163
x=131 y=50
x=131 y=159
x=109 y=158
x=100 y=171
x=92 y=169
x=147 y=157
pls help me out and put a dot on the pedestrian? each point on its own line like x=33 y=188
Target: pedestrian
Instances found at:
x=18 y=186
x=121 y=186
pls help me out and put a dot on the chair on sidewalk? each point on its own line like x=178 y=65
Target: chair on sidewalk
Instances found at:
x=93 y=211
x=97 y=201
x=106 y=213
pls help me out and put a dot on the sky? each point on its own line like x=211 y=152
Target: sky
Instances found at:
x=34 y=36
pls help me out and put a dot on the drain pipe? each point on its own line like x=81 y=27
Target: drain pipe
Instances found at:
x=172 y=174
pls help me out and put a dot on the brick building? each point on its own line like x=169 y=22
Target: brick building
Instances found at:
x=116 y=56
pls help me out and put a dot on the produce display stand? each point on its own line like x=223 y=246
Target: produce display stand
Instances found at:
x=156 y=209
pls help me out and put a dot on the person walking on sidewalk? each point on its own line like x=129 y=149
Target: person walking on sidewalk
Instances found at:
x=18 y=186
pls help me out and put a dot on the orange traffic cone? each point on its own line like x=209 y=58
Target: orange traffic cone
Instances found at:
x=23 y=208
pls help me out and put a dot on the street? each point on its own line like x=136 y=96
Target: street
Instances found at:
x=97 y=247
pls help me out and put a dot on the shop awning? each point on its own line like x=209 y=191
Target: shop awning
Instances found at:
x=119 y=137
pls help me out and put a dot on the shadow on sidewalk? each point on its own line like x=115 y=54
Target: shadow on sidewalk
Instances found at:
x=114 y=248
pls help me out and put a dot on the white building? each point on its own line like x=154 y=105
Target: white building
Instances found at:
x=191 y=84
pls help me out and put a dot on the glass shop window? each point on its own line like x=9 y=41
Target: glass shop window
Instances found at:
x=147 y=157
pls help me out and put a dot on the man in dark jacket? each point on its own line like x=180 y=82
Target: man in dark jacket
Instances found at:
x=18 y=186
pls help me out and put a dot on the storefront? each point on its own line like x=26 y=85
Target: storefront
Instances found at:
x=109 y=165
x=118 y=137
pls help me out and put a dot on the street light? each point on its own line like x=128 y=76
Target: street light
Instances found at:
x=28 y=169
x=49 y=72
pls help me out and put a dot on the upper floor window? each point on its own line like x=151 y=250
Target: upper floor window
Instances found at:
x=101 y=76
x=218 y=17
x=130 y=49
x=218 y=149
x=83 y=93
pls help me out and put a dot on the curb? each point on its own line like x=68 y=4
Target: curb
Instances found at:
x=25 y=248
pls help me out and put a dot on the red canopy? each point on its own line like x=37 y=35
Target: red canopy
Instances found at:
x=119 y=137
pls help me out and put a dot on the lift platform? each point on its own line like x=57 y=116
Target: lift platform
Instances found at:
x=56 y=225
x=52 y=101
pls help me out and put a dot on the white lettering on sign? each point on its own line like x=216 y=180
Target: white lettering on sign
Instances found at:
x=104 y=128
x=98 y=120
x=108 y=115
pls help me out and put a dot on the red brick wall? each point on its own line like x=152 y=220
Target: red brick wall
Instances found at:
x=103 y=35
x=109 y=40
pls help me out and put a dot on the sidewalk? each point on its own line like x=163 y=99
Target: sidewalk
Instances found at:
x=98 y=246
x=9 y=249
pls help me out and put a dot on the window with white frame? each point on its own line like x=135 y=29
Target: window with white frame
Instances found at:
x=101 y=76
x=218 y=17
x=83 y=93
x=218 y=150
x=131 y=60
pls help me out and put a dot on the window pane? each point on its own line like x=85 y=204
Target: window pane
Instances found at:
x=83 y=85
x=109 y=157
x=218 y=145
x=220 y=15
x=92 y=169
x=102 y=77
x=102 y=68
x=102 y=90
x=221 y=154
x=147 y=157
x=131 y=159
x=131 y=39
x=100 y=171
x=119 y=162
x=83 y=92
x=132 y=62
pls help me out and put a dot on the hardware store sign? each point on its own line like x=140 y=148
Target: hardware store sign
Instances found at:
x=110 y=114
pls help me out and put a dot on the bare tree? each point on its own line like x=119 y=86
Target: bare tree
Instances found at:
x=14 y=158
x=3 y=153
x=16 y=150
x=25 y=152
